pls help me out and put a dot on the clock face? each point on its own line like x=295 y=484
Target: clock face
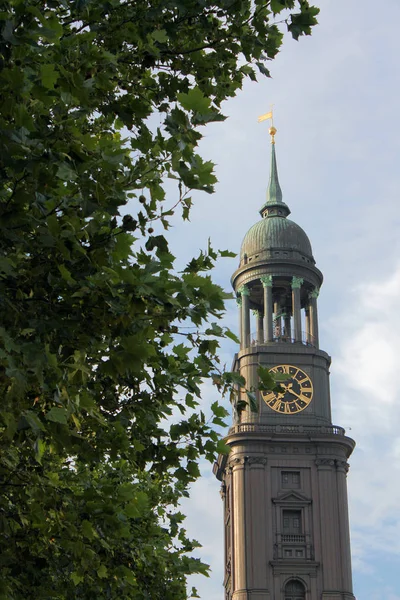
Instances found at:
x=297 y=391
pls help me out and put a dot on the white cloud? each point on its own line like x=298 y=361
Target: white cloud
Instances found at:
x=367 y=397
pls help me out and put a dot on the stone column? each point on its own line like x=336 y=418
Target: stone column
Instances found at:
x=330 y=552
x=259 y=326
x=266 y=280
x=344 y=529
x=296 y=307
x=287 y=326
x=245 y=338
x=308 y=326
x=239 y=573
x=256 y=515
x=277 y=320
x=239 y=303
x=314 y=317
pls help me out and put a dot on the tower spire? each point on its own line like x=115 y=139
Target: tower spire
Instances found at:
x=274 y=205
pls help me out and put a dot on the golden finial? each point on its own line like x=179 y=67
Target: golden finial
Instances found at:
x=272 y=130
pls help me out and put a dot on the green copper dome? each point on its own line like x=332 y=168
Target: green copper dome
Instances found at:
x=275 y=234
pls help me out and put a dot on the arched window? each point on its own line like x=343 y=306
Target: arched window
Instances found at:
x=294 y=590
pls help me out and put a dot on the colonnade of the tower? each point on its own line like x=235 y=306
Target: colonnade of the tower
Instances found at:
x=275 y=322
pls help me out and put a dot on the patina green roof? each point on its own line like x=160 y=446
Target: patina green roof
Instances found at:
x=278 y=233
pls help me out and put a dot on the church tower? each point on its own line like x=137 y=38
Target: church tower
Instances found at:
x=284 y=481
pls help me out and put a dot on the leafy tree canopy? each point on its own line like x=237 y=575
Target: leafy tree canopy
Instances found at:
x=93 y=356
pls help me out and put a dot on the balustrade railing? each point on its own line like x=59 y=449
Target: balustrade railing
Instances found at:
x=293 y=538
x=293 y=545
x=257 y=338
x=295 y=429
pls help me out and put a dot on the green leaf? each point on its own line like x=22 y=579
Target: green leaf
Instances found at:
x=195 y=100
x=48 y=75
x=66 y=275
x=160 y=35
x=40 y=447
x=222 y=448
x=76 y=578
x=66 y=173
x=227 y=254
x=87 y=530
x=229 y=334
x=57 y=415
x=102 y=571
x=277 y=6
x=252 y=401
x=34 y=421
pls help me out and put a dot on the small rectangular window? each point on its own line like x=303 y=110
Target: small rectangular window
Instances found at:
x=290 y=479
x=299 y=554
x=288 y=553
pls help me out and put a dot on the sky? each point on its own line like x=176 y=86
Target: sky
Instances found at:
x=335 y=97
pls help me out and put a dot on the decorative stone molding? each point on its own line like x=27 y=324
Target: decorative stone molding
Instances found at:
x=314 y=293
x=244 y=291
x=239 y=301
x=228 y=567
x=238 y=461
x=266 y=280
x=325 y=462
x=223 y=491
x=256 y=312
x=343 y=464
x=257 y=460
x=296 y=282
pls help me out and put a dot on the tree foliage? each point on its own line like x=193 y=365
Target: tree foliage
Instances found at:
x=101 y=101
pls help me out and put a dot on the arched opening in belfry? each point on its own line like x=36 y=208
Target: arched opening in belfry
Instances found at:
x=294 y=590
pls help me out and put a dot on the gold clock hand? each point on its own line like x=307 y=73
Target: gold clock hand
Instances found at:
x=295 y=394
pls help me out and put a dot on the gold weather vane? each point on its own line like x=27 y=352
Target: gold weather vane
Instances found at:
x=272 y=130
